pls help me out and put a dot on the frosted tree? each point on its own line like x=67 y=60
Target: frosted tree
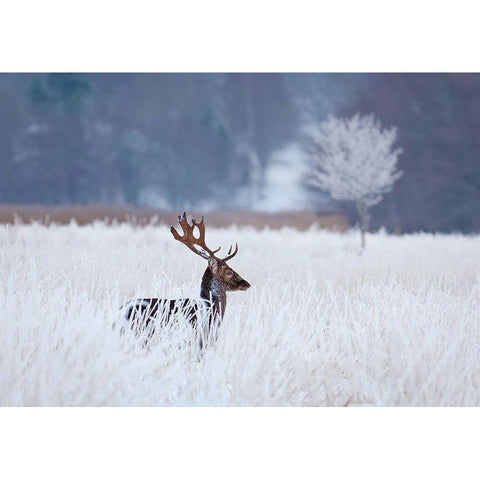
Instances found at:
x=355 y=161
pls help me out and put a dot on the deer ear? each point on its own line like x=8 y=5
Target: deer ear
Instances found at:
x=213 y=264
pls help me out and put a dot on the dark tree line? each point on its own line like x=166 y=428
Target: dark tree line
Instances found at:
x=182 y=140
x=438 y=122
x=178 y=138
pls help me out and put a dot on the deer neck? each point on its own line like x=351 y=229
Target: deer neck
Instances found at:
x=214 y=290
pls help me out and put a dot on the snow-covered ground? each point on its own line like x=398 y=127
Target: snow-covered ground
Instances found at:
x=321 y=325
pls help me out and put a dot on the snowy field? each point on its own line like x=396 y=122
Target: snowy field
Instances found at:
x=321 y=325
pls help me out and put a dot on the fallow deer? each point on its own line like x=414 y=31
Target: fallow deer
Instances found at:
x=145 y=313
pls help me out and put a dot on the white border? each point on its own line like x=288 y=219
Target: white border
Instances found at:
x=240 y=443
x=217 y=35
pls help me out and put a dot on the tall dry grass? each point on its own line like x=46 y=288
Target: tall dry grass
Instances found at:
x=321 y=325
x=112 y=214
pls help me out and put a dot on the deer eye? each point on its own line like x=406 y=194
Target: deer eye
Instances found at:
x=228 y=273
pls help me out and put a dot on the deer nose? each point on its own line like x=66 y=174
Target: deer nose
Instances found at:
x=245 y=285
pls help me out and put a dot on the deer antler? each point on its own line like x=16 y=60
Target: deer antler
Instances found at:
x=228 y=257
x=189 y=239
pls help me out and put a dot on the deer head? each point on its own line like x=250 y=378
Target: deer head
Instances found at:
x=218 y=266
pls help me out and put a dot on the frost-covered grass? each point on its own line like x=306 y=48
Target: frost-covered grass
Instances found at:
x=321 y=325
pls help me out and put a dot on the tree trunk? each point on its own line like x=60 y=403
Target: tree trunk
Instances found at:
x=362 y=210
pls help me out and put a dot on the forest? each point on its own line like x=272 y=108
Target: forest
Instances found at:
x=205 y=141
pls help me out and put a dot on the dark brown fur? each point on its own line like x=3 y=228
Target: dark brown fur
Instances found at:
x=145 y=314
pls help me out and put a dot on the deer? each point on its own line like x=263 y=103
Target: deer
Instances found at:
x=145 y=314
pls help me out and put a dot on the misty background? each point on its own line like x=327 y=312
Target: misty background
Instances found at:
x=234 y=141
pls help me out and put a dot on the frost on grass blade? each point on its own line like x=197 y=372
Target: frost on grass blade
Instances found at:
x=320 y=326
